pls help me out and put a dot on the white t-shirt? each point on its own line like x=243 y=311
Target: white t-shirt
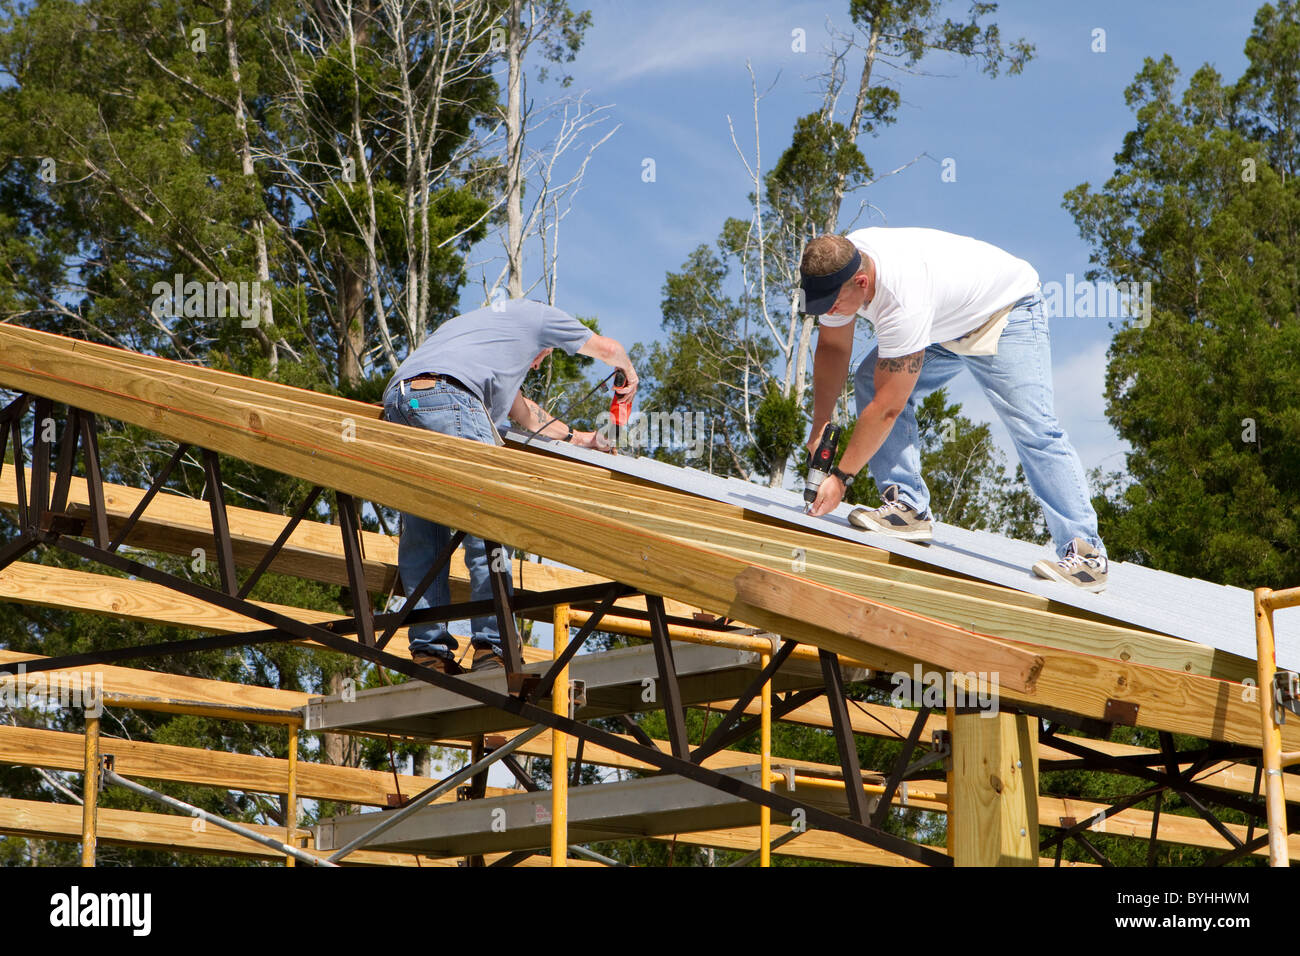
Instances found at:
x=934 y=286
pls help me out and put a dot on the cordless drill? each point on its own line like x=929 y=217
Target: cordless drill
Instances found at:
x=821 y=462
x=618 y=409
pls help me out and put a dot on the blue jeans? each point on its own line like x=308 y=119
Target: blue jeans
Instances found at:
x=450 y=410
x=1018 y=383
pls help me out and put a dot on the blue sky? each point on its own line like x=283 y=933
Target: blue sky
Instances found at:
x=673 y=71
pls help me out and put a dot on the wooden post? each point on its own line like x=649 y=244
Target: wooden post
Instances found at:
x=291 y=800
x=993 y=790
x=90 y=792
x=951 y=780
x=560 y=745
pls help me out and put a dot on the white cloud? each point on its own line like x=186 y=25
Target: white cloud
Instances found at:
x=636 y=41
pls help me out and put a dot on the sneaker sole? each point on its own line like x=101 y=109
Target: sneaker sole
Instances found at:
x=487 y=664
x=866 y=524
x=450 y=668
x=1045 y=569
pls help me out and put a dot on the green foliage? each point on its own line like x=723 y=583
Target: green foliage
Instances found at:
x=801 y=183
x=912 y=29
x=778 y=430
x=125 y=170
x=1203 y=205
x=712 y=362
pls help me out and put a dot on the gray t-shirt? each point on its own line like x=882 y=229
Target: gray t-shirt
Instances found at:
x=489 y=350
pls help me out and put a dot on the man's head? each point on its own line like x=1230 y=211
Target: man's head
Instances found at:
x=834 y=277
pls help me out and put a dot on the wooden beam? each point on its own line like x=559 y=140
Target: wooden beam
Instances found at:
x=33 y=819
x=57 y=750
x=893 y=723
x=420 y=479
x=993 y=805
x=815 y=845
x=130 y=599
x=212 y=698
x=1052 y=811
x=891 y=580
x=379 y=461
x=175 y=524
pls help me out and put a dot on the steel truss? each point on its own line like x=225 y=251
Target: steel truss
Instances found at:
x=44 y=520
x=1167 y=780
x=1160 y=769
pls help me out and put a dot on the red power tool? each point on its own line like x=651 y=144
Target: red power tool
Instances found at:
x=619 y=409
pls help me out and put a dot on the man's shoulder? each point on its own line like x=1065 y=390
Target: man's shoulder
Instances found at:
x=886 y=235
x=528 y=309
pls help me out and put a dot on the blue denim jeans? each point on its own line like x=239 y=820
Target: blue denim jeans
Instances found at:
x=450 y=410
x=1018 y=383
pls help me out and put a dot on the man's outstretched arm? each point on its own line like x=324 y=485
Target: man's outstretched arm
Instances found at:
x=830 y=371
x=894 y=380
x=611 y=352
x=530 y=416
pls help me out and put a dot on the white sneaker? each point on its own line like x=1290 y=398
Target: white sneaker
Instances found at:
x=1083 y=566
x=895 y=518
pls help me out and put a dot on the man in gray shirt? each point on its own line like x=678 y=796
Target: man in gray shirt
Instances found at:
x=464 y=380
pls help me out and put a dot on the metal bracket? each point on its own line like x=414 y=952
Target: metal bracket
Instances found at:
x=1286 y=695
x=56 y=523
x=1123 y=712
x=941 y=742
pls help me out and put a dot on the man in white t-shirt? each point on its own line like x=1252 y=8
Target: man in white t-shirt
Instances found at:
x=940 y=303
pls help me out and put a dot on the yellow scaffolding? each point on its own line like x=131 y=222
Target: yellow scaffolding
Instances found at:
x=1271 y=715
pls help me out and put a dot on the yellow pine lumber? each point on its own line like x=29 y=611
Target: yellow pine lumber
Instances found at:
x=240 y=388
x=436 y=489
x=35 y=819
x=1134 y=823
x=211 y=697
x=176 y=524
x=1182 y=703
x=998 y=614
x=893 y=723
x=59 y=750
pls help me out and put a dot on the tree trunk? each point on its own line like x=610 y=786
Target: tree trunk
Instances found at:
x=514 y=155
x=855 y=127
x=265 y=315
x=351 y=339
x=339 y=749
x=801 y=366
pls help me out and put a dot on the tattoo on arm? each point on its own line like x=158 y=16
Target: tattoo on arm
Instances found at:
x=904 y=363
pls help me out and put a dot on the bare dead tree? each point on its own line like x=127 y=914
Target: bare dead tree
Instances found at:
x=396 y=116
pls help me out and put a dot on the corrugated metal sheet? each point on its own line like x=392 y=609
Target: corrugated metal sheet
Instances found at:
x=1188 y=608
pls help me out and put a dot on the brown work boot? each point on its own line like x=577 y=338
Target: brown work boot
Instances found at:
x=895 y=518
x=487 y=659
x=437 y=662
x=1083 y=566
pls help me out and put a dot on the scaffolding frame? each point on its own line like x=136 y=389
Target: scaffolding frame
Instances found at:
x=43 y=522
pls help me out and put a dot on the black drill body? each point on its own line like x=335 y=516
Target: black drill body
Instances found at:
x=821 y=462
